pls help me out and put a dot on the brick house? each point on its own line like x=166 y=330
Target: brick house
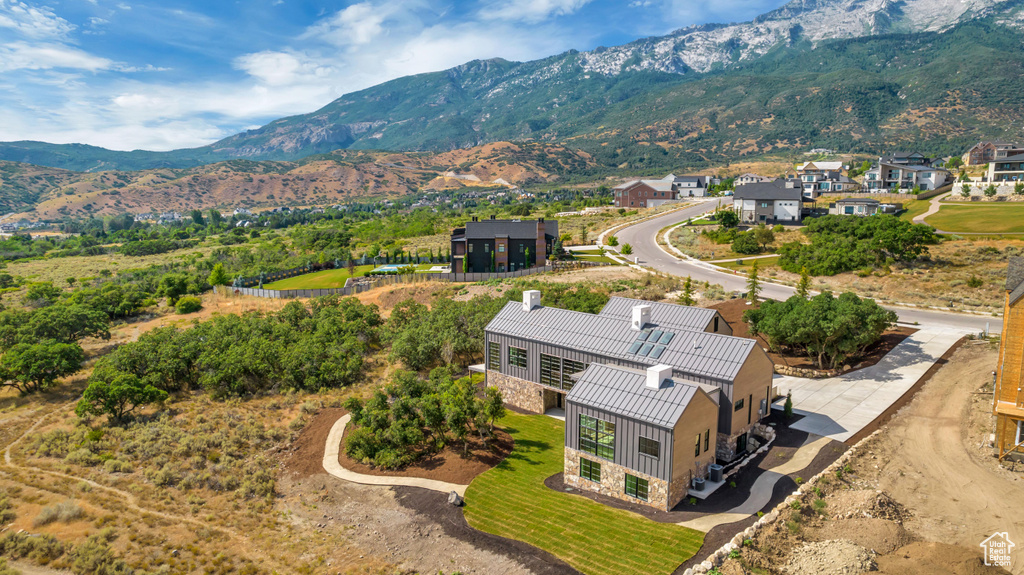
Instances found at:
x=987 y=152
x=644 y=194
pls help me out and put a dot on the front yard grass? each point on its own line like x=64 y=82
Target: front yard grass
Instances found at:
x=512 y=501
x=994 y=218
x=326 y=279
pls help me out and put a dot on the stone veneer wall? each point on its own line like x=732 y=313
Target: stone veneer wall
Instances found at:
x=613 y=481
x=518 y=392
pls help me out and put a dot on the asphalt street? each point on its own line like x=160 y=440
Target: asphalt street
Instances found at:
x=645 y=248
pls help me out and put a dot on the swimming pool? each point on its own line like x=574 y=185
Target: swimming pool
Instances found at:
x=389 y=269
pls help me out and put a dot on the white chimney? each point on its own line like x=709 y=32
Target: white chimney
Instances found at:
x=531 y=299
x=641 y=316
x=657 y=375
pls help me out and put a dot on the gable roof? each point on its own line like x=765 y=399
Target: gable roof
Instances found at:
x=773 y=190
x=624 y=392
x=827 y=166
x=666 y=315
x=693 y=352
x=656 y=185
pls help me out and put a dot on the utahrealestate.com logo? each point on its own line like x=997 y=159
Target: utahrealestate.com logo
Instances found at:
x=997 y=549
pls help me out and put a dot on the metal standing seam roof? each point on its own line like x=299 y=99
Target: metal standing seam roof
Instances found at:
x=517 y=230
x=665 y=315
x=697 y=353
x=774 y=190
x=1015 y=278
x=624 y=392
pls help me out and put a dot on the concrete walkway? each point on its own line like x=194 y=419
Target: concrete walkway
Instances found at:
x=761 y=491
x=334 y=468
x=932 y=209
x=838 y=407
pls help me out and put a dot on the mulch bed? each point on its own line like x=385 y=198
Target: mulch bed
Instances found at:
x=449 y=465
x=435 y=506
x=732 y=311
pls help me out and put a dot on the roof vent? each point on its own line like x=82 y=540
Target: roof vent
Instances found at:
x=695 y=344
x=531 y=300
x=657 y=375
x=641 y=316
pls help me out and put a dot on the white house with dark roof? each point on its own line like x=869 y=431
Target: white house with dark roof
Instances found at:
x=533 y=353
x=778 y=201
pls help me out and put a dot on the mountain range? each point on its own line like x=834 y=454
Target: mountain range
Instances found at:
x=859 y=76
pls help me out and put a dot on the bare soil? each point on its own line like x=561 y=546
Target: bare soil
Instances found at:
x=732 y=311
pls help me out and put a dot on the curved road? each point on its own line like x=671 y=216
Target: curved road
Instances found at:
x=642 y=237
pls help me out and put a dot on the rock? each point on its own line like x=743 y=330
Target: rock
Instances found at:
x=706 y=566
x=454 y=499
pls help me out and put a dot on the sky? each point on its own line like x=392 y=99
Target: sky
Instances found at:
x=173 y=74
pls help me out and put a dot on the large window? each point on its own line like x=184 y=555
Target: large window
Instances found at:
x=570 y=367
x=493 y=356
x=517 y=357
x=597 y=437
x=590 y=470
x=650 y=447
x=550 y=370
x=636 y=487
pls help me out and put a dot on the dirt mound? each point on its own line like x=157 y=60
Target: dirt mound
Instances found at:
x=307 y=455
x=878 y=535
x=836 y=557
x=866 y=503
x=935 y=559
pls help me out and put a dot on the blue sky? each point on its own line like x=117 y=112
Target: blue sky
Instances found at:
x=180 y=73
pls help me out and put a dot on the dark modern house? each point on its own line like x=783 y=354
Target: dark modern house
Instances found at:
x=639 y=436
x=776 y=202
x=502 y=245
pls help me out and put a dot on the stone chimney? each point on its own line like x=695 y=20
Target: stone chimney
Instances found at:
x=657 y=375
x=531 y=299
x=641 y=316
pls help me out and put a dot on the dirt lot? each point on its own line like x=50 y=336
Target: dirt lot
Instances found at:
x=918 y=498
x=732 y=311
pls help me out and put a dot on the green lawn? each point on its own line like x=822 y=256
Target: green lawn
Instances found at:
x=914 y=208
x=512 y=501
x=593 y=256
x=326 y=279
x=991 y=218
x=762 y=264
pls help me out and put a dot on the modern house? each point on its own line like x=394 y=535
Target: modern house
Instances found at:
x=1008 y=400
x=1007 y=169
x=749 y=178
x=905 y=171
x=818 y=177
x=690 y=186
x=535 y=355
x=987 y=152
x=639 y=436
x=862 y=207
x=502 y=245
x=778 y=201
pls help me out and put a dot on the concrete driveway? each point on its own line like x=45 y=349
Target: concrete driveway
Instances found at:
x=839 y=407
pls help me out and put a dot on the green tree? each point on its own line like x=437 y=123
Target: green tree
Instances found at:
x=990 y=191
x=627 y=249
x=746 y=243
x=494 y=405
x=215 y=218
x=31 y=367
x=787 y=408
x=753 y=284
x=803 y=287
x=612 y=241
x=71 y=281
x=727 y=218
x=965 y=190
x=764 y=236
x=65 y=323
x=1018 y=188
x=218 y=277
x=188 y=305
x=584 y=234
x=41 y=294
x=686 y=298
x=197 y=217
x=117 y=397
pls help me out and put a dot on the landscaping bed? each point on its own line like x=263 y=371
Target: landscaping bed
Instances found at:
x=732 y=311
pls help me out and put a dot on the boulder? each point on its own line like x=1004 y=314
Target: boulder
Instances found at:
x=454 y=499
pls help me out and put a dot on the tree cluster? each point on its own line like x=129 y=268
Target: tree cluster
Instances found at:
x=412 y=416
x=829 y=330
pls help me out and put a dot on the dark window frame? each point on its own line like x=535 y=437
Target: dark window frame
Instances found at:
x=739 y=404
x=707 y=439
x=638 y=487
x=646 y=445
x=596 y=437
x=569 y=367
x=551 y=370
x=494 y=356
x=589 y=469
x=517 y=355
x=696 y=448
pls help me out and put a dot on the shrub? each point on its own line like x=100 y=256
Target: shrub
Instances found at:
x=746 y=243
x=83 y=457
x=7 y=514
x=40 y=549
x=117 y=466
x=974 y=282
x=64 y=512
x=188 y=305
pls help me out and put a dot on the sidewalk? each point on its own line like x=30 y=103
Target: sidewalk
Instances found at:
x=331 y=466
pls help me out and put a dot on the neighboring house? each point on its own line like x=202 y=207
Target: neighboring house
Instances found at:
x=818 y=177
x=1008 y=169
x=534 y=355
x=987 y=152
x=749 y=178
x=639 y=436
x=690 y=186
x=644 y=194
x=242 y=212
x=502 y=245
x=778 y=201
x=905 y=171
x=861 y=207
x=1008 y=400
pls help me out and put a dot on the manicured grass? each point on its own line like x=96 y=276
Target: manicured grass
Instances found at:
x=512 y=501
x=914 y=208
x=995 y=218
x=762 y=264
x=326 y=279
x=593 y=256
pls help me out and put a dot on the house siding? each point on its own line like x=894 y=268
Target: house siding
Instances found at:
x=627 y=441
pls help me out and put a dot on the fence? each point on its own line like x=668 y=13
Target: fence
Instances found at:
x=357 y=287
x=313 y=268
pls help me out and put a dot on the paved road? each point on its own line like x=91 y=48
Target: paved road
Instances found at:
x=642 y=237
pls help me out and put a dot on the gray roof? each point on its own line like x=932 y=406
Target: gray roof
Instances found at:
x=921 y=168
x=697 y=353
x=514 y=229
x=1015 y=278
x=773 y=190
x=864 y=201
x=624 y=392
x=657 y=185
x=698 y=179
x=1013 y=158
x=667 y=315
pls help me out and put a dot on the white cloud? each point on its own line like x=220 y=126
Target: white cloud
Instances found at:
x=357 y=24
x=46 y=56
x=530 y=10
x=33 y=22
x=282 y=68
